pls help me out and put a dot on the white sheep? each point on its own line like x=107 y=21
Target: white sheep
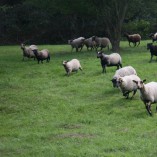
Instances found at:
x=77 y=43
x=90 y=43
x=101 y=42
x=113 y=59
x=125 y=71
x=72 y=65
x=148 y=93
x=28 y=51
x=126 y=85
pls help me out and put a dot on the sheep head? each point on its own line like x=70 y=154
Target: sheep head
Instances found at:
x=114 y=81
x=140 y=84
x=22 y=46
x=99 y=54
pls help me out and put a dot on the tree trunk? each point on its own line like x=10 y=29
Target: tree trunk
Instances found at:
x=115 y=45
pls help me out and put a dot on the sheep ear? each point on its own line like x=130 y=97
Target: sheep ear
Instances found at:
x=135 y=81
x=144 y=80
x=120 y=80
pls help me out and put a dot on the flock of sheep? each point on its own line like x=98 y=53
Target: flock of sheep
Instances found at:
x=125 y=78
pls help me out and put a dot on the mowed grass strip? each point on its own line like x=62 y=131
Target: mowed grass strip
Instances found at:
x=45 y=113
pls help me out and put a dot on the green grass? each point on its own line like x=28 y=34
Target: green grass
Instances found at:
x=45 y=113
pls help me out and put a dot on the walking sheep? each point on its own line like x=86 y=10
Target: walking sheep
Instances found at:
x=153 y=50
x=126 y=85
x=134 y=38
x=101 y=42
x=42 y=55
x=113 y=59
x=71 y=66
x=28 y=51
x=148 y=93
x=125 y=71
x=89 y=43
x=77 y=43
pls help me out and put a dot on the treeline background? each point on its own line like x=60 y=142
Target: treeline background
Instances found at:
x=56 y=21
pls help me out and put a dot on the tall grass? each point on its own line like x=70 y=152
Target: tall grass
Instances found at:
x=45 y=113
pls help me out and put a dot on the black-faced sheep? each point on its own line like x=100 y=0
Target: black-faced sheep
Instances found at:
x=134 y=38
x=126 y=85
x=113 y=59
x=101 y=42
x=148 y=93
x=28 y=51
x=153 y=36
x=42 y=55
x=71 y=66
x=125 y=71
x=77 y=43
x=89 y=43
x=153 y=50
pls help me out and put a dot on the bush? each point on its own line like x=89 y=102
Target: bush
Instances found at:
x=139 y=26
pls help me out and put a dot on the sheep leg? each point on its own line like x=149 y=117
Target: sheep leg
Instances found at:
x=76 y=49
x=120 y=65
x=117 y=66
x=134 y=44
x=134 y=93
x=104 y=69
x=151 y=59
x=138 y=43
x=126 y=94
x=148 y=107
x=71 y=49
x=80 y=68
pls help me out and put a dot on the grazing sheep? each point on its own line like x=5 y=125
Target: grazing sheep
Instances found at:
x=101 y=42
x=71 y=66
x=42 y=55
x=89 y=43
x=77 y=43
x=125 y=71
x=28 y=51
x=134 y=38
x=153 y=50
x=126 y=85
x=113 y=59
x=148 y=93
x=153 y=36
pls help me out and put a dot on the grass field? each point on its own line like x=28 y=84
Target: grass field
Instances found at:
x=44 y=113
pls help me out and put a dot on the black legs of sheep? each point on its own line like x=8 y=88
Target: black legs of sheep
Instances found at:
x=148 y=108
x=104 y=66
x=126 y=94
x=113 y=59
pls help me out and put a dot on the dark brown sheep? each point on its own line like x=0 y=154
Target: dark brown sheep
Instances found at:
x=153 y=50
x=134 y=38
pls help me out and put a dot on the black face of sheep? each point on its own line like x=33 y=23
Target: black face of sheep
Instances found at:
x=114 y=81
x=99 y=54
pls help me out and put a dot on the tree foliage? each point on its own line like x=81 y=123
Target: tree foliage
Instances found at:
x=56 y=21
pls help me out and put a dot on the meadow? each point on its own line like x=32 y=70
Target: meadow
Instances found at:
x=44 y=113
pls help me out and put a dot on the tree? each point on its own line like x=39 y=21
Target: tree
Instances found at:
x=112 y=13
